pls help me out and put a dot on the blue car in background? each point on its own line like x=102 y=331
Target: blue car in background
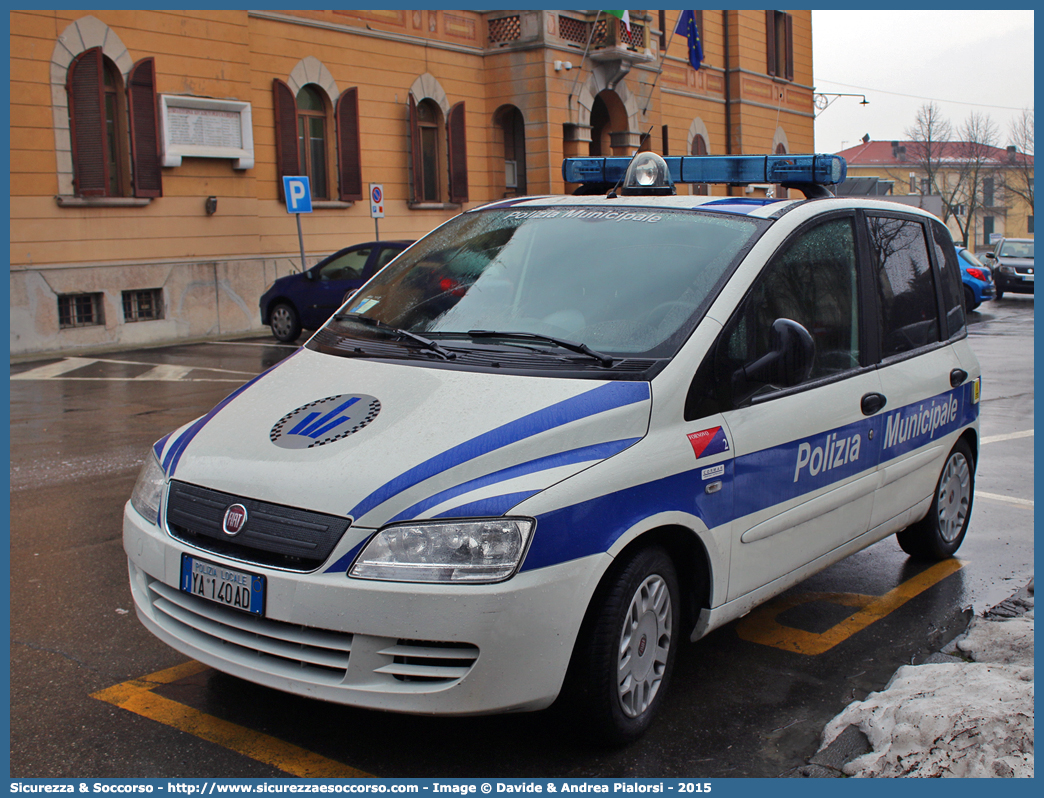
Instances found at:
x=304 y=301
x=977 y=279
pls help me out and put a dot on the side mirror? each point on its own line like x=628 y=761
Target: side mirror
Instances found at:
x=311 y=275
x=990 y=255
x=787 y=363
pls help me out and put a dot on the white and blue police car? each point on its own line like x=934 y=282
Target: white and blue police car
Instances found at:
x=560 y=435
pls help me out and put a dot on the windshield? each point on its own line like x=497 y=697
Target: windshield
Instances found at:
x=622 y=280
x=1017 y=249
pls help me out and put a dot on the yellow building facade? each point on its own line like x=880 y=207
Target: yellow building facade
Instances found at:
x=147 y=147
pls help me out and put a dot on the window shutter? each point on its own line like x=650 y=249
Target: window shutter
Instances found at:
x=458 y=154
x=790 y=45
x=770 y=40
x=87 y=123
x=285 y=107
x=349 y=150
x=144 y=130
x=416 y=157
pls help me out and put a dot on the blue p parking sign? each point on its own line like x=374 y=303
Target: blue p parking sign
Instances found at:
x=298 y=194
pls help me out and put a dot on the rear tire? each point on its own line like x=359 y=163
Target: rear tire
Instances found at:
x=969 y=300
x=940 y=533
x=625 y=654
x=285 y=323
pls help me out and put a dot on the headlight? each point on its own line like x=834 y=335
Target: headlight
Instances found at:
x=148 y=490
x=474 y=552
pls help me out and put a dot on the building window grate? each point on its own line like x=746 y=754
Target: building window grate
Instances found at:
x=635 y=40
x=144 y=305
x=576 y=31
x=505 y=29
x=80 y=310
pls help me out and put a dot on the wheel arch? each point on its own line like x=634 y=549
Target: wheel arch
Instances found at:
x=692 y=563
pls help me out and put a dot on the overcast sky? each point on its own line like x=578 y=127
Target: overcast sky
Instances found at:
x=964 y=60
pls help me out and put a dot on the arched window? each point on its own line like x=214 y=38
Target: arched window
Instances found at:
x=312 y=140
x=513 y=128
x=432 y=161
x=113 y=130
x=303 y=138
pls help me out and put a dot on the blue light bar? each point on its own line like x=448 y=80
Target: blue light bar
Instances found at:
x=824 y=170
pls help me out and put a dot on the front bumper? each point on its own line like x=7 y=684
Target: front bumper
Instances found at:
x=427 y=649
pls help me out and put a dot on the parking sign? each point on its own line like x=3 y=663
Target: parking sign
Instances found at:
x=298 y=194
x=376 y=201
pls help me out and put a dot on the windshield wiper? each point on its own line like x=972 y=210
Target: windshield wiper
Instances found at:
x=427 y=343
x=572 y=346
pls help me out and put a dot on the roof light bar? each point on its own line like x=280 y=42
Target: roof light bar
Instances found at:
x=824 y=170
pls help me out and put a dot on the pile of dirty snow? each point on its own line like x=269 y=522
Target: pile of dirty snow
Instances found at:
x=961 y=718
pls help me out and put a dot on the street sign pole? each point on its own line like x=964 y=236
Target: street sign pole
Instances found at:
x=298 y=194
x=376 y=206
x=300 y=240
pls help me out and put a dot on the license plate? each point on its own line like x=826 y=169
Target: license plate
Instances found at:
x=223 y=585
x=1028 y=278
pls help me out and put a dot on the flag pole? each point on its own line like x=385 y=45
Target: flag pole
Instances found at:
x=663 y=60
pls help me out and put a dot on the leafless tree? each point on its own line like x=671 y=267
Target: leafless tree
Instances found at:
x=929 y=143
x=1019 y=176
x=976 y=164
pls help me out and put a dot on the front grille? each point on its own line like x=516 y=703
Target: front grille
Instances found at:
x=274 y=646
x=303 y=653
x=425 y=661
x=274 y=535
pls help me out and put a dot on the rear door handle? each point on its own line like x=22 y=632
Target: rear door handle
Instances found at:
x=871 y=403
x=957 y=377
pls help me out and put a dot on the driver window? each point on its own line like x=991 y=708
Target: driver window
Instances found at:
x=812 y=281
x=347 y=267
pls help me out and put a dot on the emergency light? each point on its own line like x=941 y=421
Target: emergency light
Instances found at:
x=799 y=171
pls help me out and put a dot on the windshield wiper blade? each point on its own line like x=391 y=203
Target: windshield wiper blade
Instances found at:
x=427 y=343
x=573 y=346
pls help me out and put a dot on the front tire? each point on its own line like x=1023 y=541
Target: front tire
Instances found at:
x=625 y=655
x=940 y=533
x=285 y=322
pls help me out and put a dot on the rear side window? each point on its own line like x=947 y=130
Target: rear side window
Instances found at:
x=950 y=271
x=907 y=306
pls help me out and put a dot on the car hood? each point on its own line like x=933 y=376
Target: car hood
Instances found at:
x=1018 y=263
x=382 y=442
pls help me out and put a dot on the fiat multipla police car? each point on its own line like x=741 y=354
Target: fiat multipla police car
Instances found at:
x=560 y=435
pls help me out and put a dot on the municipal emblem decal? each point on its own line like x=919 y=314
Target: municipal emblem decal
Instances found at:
x=324 y=421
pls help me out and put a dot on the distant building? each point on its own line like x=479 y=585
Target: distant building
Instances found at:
x=147 y=146
x=996 y=211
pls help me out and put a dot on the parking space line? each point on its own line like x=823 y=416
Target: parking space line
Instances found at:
x=999 y=497
x=761 y=625
x=137 y=696
x=1010 y=436
x=52 y=370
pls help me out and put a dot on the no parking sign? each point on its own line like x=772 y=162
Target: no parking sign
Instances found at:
x=376 y=200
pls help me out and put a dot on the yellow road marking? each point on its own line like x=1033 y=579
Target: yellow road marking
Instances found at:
x=137 y=696
x=761 y=626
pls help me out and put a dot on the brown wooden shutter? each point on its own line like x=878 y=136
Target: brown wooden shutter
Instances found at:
x=86 y=90
x=458 y=154
x=285 y=108
x=416 y=156
x=144 y=129
x=349 y=150
x=790 y=45
x=770 y=40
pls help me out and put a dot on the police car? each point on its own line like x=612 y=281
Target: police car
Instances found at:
x=560 y=435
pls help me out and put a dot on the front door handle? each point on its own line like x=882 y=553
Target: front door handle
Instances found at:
x=871 y=403
x=957 y=377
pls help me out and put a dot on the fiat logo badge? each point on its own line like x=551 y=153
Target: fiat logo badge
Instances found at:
x=234 y=521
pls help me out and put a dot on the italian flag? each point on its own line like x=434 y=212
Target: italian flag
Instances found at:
x=625 y=16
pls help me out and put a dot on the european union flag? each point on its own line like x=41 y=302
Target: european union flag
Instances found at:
x=687 y=27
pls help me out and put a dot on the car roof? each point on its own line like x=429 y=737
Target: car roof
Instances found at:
x=764 y=208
